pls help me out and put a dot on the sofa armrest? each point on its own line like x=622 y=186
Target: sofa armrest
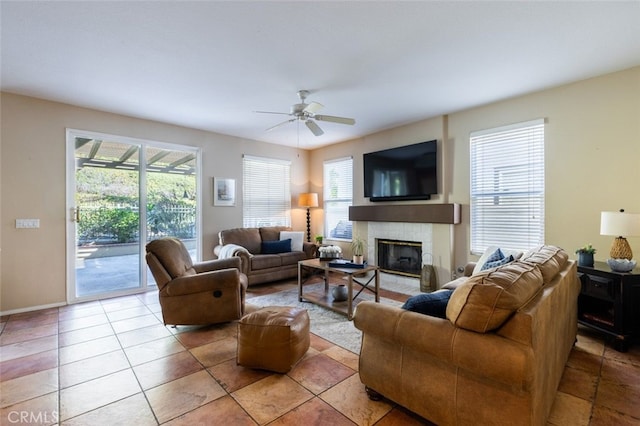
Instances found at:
x=217 y=264
x=309 y=249
x=486 y=355
x=207 y=281
x=421 y=332
x=468 y=268
x=244 y=256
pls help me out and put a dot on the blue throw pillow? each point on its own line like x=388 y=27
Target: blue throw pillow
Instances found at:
x=433 y=304
x=496 y=255
x=275 y=247
x=504 y=261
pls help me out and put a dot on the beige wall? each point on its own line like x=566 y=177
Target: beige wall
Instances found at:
x=592 y=143
x=417 y=132
x=33 y=186
x=592 y=151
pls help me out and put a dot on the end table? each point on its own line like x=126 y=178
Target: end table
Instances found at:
x=609 y=302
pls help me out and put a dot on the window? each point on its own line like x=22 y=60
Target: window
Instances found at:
x=507 y=187
x=338 y=196
x=266 y=192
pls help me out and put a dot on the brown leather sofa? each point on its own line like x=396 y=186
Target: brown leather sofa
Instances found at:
x=260 y=267
x=201 y=293
x=497 y=358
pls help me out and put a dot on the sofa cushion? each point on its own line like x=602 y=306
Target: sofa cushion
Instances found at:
x=275 y=247
x=265 y=261
x=297 y=238
x=292 y=258
x=485 y=301
x=248 y=238
x=550 y=259
x=272 y=233
x=433 y=304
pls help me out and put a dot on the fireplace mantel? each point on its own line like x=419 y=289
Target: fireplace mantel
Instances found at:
x=410 y=213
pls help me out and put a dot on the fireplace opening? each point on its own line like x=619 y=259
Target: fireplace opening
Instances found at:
x=400 y=257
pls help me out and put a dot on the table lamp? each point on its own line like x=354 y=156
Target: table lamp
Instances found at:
x=621 y=225
x=308 y=200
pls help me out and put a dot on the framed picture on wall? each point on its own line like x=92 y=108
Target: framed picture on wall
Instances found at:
x=224 y=192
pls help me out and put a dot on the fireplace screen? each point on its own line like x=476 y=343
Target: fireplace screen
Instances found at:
x=400 y=257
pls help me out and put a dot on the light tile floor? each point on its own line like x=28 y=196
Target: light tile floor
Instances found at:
x=112 y=362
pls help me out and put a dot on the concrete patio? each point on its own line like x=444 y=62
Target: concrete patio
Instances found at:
x=110 y=269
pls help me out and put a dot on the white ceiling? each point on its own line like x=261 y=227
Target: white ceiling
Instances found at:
x=209 y=64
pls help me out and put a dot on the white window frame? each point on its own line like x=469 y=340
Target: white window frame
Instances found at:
x=337 y=197
x=266 y=192
x=507 y=187
x=71 y=225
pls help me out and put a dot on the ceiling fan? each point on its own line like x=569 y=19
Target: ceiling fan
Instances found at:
x=307 y=113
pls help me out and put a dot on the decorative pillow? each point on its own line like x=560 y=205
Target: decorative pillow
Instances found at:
x=432 y=304
x=490 y=251
x=275 y=247
x=297 y=239
x=485 y=301
x=496 y=255
x=496 y=263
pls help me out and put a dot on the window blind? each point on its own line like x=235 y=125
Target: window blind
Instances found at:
x=266 y=192
x=338 y=196
x=507 y=187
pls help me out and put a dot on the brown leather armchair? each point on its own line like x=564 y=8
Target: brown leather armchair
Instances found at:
x=202 y=293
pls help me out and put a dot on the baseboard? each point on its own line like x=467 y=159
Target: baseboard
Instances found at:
x=32 y=308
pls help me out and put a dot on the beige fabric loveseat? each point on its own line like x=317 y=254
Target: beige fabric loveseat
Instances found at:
x=498 y=356
x=247 y=243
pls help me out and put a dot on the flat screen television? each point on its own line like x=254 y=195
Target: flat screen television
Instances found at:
x=404 y=173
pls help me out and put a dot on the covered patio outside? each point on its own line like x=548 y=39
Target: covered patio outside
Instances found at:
x=108 y=269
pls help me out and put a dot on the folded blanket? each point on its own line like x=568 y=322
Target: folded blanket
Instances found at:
x=230 y=250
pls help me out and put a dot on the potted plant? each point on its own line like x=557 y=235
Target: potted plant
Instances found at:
x=585 y=255
x=319 y=239
x=357 y=249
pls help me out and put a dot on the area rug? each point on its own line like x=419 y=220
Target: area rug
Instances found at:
x=325 y=323
x=409 y=288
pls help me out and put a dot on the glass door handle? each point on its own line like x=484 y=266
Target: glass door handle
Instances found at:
x=76 y=214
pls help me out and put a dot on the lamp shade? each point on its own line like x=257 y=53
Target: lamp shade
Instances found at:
x=308 y=199
x=620 y=224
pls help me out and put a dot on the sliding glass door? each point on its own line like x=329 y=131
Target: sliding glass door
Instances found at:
x=115 y=207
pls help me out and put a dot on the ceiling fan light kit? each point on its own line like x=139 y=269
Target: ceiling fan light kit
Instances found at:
x=306 y=112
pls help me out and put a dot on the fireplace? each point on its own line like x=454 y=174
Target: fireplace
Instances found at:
x=400 y=257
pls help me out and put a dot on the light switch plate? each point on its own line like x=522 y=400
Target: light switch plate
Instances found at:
x=27 y=223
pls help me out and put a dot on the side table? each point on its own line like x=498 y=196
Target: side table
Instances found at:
x=609 y=302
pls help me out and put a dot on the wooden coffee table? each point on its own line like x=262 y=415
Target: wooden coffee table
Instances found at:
x=367 y=278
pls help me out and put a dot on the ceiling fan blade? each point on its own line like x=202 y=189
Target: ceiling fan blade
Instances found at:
x=313 y=107
x=271 y=112
x=279 y=124
x=341 y=120
x=315 y=129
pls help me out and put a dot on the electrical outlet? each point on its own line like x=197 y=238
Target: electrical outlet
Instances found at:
x=28 y=223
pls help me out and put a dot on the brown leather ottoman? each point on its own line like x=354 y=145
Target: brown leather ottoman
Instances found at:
x=273 y=338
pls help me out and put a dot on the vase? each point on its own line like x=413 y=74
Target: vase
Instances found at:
x=585 y=259
x=339 y=293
